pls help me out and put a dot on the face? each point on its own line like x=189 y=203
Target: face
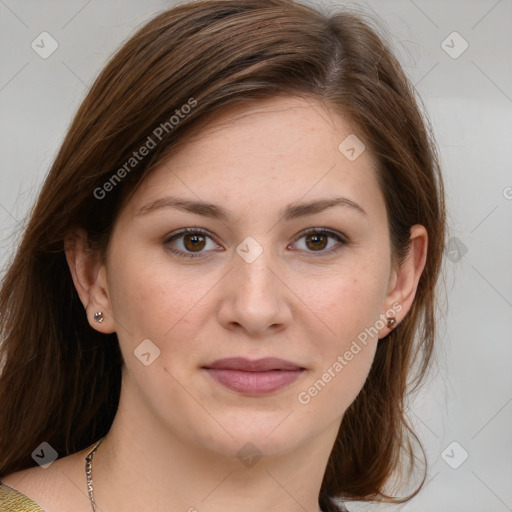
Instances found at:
x=254 y=282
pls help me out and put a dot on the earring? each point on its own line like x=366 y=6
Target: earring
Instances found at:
x=98 y=317
x=391 y=322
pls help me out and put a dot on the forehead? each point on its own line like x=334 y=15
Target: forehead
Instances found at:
x=273 y=152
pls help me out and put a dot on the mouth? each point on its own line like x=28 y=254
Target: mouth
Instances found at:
x=256 y=377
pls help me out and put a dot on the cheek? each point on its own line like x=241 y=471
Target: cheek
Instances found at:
x=138 y=297
x=350 y=305
x=148 y=296
x=351 y=300
x=150 y=302
x=346 y=353
x=333 y=389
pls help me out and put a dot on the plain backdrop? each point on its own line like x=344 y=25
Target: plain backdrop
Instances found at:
x=463 y=414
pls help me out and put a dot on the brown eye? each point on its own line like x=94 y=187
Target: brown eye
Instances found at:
x=193 y=242
x=316 y=241
x=190 y=243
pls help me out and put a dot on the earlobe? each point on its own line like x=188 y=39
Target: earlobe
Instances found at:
x=405 y=279
x=89 y=278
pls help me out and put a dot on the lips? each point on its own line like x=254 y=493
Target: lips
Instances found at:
x=254 y=377
x=259 y=365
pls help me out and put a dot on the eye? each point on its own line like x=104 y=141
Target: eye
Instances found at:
x=317 y=240
x=193 y=242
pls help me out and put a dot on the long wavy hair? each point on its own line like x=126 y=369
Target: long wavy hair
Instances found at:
x=60 y=379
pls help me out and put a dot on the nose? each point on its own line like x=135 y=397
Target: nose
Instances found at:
x=255 y=296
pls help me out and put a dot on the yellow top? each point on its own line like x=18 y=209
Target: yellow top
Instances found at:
x=12 y=500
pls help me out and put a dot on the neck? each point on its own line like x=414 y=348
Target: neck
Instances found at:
x=141 y=465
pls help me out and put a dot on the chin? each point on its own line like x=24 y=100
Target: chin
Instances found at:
x=254 y=444
x=246 y=434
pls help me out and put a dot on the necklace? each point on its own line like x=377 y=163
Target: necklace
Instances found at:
x=88 y=473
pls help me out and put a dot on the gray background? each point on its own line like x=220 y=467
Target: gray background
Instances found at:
x=468 y=398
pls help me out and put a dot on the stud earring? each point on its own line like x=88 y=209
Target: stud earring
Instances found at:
x=391 y=322
x=98 y=317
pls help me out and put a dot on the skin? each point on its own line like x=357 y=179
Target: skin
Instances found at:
x=174 y=441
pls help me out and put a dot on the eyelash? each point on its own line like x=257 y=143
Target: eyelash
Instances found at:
x=342 y=239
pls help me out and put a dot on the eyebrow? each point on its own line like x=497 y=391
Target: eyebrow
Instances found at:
x=291 y=212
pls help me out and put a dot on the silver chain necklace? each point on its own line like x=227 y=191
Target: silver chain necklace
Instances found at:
x=88 y=473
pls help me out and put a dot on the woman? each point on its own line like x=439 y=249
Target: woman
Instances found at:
x=229 y=275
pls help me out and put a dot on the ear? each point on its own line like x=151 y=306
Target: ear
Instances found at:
x=404 y=280
x=90 y=279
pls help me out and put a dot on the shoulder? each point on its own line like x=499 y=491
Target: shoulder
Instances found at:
x=12 y=500
x=59 y=487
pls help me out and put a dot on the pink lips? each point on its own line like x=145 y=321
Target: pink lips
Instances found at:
x=254 y=377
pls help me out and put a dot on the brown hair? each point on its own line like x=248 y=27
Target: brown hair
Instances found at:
x=61 y=379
